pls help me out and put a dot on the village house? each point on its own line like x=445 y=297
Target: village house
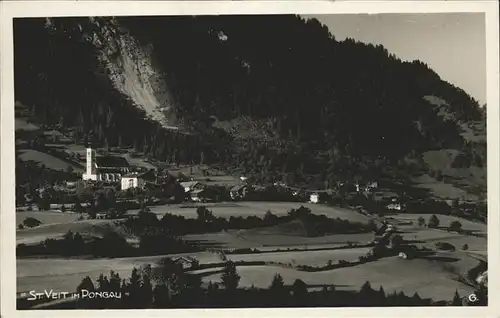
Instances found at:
x=394 y=206
x=105 y=168
x=187 y=262
x=238 y=191
x=314 y=198
x=191 y=185
x=137 y=180
x=201 y=195
x=101 y=216
x=320 y=196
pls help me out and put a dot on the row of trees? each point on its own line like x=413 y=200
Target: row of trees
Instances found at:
x=167 y=285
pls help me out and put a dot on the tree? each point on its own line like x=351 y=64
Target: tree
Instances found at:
x=146 y=289
x=381 y=292
x=457 y=301
x=299 y=290
x=397 y=241
x=87 y=285
x=230 y=277
x=372 y=226
x=455 y=226
x=366 y=289
x=421 y=221
x=44 y=203
x=204 y=214
x=277 y=283
x=433 y=221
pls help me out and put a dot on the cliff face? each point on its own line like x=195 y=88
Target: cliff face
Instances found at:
x=128 y=66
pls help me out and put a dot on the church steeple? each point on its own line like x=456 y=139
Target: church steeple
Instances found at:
x=90 y=171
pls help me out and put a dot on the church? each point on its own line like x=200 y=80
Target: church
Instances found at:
x=105 y=168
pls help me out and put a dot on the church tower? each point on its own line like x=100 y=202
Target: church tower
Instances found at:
x=90 y=171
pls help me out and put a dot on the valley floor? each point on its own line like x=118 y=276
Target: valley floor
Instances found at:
x=435 y=277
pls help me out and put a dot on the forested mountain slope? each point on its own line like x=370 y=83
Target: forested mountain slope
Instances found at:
x=275 y=97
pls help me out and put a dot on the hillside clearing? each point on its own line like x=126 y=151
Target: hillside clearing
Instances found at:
x=49 y=161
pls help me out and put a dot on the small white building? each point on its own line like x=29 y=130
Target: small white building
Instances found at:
x=394 y=206
x=314 y=198
x=138 y=180
x=131 y=181
x=101 y=216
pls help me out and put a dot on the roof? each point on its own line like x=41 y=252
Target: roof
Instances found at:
x=184 y=258
x=189 y=183
x=238 y=187
x=149 y=175
x=111 y=162
x=52 y=133
x=110 y=170
x=197 y=191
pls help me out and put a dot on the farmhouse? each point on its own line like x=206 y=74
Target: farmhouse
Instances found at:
x=238 y=191
x=191 y=185
x=394 y=206
x=105 y=168
x=199 y=195
x=186 y=262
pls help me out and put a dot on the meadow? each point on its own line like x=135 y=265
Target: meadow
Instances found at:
x=426 y=277
x=259 y=209
x=432 y=277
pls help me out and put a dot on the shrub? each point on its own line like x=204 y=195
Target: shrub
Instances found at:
x=433 y=221
x=31 y=222
x=421 y=221
x=445 y=246
x=455 y=226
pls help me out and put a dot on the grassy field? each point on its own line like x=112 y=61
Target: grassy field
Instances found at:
x=312 y=258
x=259 y=209
x=46 y=217
x=428 y=278
x=66 y=274
x=442 y=160
x=47 y=160
x=54 y=230
x=445 y=220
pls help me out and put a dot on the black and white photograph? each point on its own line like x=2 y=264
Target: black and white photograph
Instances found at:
x=243 y=160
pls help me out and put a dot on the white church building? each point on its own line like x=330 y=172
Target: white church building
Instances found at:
x=105 y=168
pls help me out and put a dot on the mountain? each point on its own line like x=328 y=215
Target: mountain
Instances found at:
x=272 y=97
